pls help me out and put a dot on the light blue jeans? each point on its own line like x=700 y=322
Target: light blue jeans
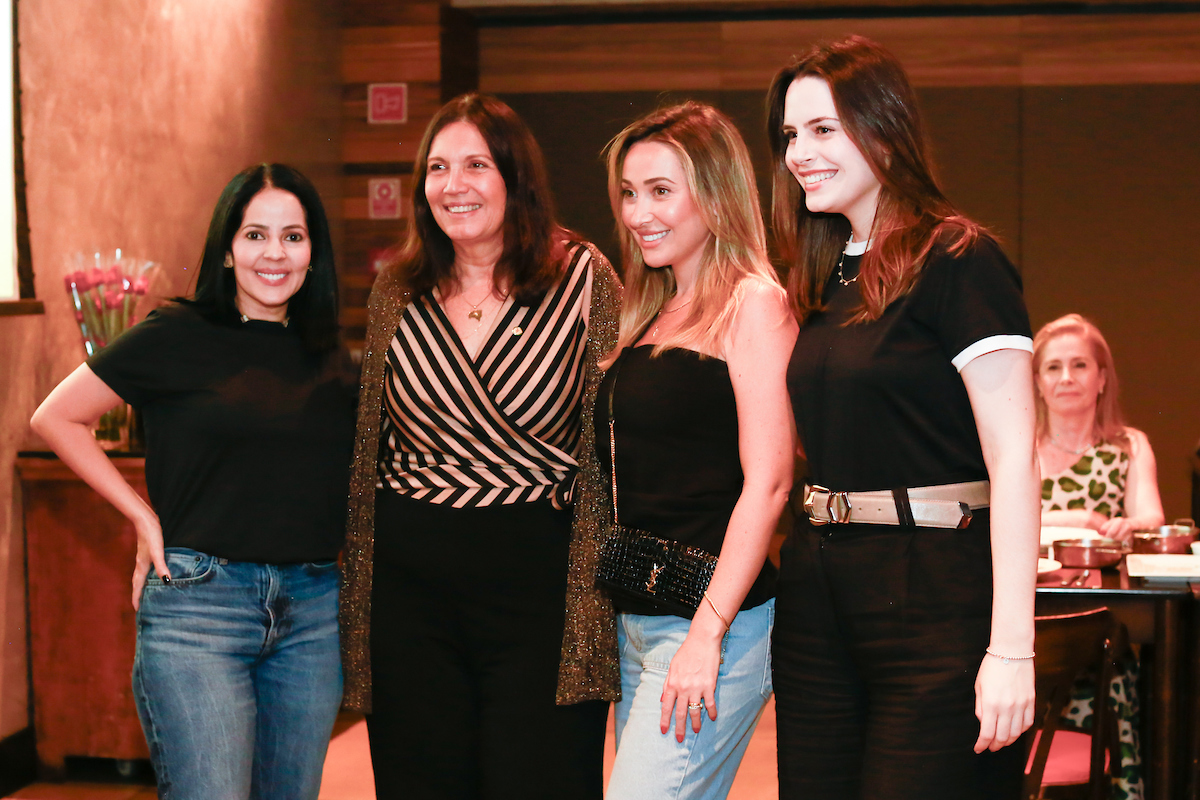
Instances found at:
x=237 y=677
x=655 y=766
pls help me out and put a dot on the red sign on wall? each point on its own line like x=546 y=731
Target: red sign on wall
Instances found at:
x=383 y=198
x=387 y=103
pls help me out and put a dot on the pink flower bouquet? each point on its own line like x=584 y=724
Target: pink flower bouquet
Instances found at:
x=105 y=298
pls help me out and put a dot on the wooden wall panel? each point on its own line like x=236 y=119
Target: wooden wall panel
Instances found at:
x=597 y=58
x=424 y=99
x=379 y=145
x=989 y=53
x=374 y=13
x=936 y=51
x=1113 y=50
x=374 y=55
x=382 y=43
x=364 y=143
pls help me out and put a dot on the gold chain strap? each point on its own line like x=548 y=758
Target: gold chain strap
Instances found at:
x=612 y=437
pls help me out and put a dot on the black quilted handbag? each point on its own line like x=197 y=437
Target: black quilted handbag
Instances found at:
x=641 y=566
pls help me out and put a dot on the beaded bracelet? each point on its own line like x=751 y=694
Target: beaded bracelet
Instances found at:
x=1008 y=659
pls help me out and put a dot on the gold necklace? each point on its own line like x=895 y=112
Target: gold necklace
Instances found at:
x=476 y=313
x=661 y=311
x=842 y=278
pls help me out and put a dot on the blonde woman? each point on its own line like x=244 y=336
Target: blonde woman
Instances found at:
x=704 y=444
x=1096 y=472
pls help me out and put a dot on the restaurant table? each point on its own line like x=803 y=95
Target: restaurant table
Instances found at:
x=1159 y=617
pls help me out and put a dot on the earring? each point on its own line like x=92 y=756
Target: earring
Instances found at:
x=229 y=261
x=310 y=267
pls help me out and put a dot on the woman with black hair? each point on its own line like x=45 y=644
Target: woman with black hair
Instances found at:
x=249 y=423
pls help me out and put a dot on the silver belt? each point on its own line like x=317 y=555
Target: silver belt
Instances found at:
x=945 y=506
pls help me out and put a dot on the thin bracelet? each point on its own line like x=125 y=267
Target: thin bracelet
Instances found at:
x=1008 y=659
x=720 y=616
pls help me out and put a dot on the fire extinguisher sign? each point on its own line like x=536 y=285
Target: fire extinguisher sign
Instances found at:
x=383 y=198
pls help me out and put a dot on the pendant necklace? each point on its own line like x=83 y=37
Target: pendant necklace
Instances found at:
x=842 y=278
x=654 y=333
x=476 y=313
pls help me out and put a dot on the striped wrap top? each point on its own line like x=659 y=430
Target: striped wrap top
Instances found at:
x=500 y=428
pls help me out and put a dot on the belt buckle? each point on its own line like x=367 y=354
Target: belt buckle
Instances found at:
x=837 y=505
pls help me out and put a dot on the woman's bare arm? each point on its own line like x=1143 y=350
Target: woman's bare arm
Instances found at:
x=64 y=421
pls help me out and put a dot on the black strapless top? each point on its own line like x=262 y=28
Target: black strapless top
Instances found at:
x=679 y=473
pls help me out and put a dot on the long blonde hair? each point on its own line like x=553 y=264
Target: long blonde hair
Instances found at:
x=1109 y=424
x=721 y=181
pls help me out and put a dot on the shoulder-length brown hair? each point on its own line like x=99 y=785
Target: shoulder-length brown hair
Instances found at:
x=878 y=109
x=534 y=242
x=1109 y=424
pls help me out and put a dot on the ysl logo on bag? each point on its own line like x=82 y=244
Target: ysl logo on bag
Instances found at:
x=654 y=577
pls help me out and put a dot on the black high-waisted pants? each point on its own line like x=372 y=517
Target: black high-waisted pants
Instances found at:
x=467 y=612
x=879 y=633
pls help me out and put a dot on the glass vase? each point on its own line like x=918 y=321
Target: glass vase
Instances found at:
x=112 y=432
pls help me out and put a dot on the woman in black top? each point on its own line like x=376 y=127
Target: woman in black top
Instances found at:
x=703 y=443
x=249 y=423
x=905 y=637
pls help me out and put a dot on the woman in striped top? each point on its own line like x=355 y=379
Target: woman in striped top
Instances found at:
x=474 y=439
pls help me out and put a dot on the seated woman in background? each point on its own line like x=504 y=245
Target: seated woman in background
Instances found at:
x=249 y=415
x=1096 y=472
x=704 y=443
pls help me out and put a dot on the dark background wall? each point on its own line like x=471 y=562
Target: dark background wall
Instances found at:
x=1082 y=157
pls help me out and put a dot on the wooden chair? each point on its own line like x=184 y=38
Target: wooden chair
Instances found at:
x=1067 y=646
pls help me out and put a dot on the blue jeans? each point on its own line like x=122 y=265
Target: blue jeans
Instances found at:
x=237 y=677
x=653 y=765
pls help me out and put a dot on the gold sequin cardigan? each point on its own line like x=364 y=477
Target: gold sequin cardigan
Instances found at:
x=589 y=668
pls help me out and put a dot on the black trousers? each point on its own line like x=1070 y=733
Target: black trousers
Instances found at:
x=467 y=614
x=879 y=633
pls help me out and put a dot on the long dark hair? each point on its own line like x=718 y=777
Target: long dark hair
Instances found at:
x=878 y=108
x=313 y=310
x=531 y=261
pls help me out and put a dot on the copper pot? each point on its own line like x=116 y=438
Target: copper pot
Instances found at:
x=1176 y=538
x=1088 y=553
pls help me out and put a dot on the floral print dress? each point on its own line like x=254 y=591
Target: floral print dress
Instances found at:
x=1096 y=482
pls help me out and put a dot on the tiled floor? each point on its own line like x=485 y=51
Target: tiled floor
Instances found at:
x=348 y=772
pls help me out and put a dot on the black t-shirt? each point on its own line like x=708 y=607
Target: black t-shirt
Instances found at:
x=248 y=436
x=679 y=469
x=880 y=405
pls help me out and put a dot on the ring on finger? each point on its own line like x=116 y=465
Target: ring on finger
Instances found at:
x=696 y=706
